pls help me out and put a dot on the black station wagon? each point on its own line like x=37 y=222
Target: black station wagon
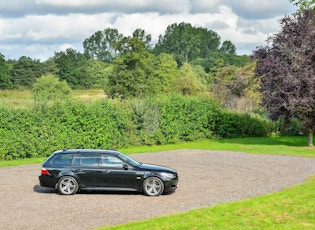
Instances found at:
x=71 y=170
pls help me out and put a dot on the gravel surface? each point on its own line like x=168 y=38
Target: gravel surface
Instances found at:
x=206 y=178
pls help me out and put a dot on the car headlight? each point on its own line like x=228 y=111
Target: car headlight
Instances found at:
x=168 y=175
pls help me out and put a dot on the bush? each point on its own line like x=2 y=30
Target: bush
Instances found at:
x=26 y=133
x=232 y=124
x=290 y=127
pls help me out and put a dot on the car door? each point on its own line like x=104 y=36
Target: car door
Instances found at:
x=87 y=169
x=117 y=173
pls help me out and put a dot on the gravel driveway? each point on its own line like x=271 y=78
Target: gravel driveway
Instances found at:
x=206 y=178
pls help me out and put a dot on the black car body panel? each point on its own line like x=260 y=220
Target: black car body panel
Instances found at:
x=103 y=170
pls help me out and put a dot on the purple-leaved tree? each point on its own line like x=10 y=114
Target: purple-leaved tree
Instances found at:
x=287 y=70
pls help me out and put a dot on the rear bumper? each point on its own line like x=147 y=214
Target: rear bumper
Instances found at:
x=46 y=181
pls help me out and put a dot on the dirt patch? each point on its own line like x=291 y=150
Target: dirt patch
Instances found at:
x=206 y=178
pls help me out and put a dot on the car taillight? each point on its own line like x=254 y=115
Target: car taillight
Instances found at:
x=45 y=172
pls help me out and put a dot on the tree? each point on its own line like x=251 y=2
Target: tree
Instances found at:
x=288 y=69
x=237 y=88
x=164 y=72
x=25 y=71
x=228 y=47
x=101 y=44
x=304 y=4
x=50 y=67
x=142 y=36
x=187 y=43
x=48 y=87
x=100 y=72
x=188 y=83
x=5 y=82
x=132 y=70
x=72 y=66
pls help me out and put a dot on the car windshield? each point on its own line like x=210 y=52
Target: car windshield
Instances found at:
x=128 y=160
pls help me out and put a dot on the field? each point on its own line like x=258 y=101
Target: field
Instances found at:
x=23 y=98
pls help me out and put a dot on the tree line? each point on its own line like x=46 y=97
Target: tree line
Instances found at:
x=130 y=66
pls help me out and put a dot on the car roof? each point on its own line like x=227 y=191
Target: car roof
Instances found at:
x=78 y=151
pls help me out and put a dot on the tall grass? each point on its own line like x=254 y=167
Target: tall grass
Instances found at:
x=23 y=98
x=16 y=98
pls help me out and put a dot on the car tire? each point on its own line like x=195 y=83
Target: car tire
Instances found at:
x=67 y=185
x=153 y=186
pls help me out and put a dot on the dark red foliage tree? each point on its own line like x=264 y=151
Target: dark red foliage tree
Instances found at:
x=287 y=69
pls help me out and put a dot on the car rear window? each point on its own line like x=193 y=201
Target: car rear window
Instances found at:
x=62 y=160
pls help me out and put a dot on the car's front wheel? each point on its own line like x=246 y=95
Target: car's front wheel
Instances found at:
x=67 y=185
x=153 y=186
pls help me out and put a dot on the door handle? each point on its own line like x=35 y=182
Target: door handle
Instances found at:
x=79 y=171
x=106 y=171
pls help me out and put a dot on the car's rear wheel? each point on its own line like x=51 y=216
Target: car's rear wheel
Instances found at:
x=153 y=186
x=67 y=185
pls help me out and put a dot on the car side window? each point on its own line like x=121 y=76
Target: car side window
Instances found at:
x=111 y=161
x=89 y=160
x=62 y=160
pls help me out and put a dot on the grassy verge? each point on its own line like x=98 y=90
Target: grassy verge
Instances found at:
x=293 y=208
x=295 y=146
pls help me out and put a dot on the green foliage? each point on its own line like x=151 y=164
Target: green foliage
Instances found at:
x=164 y=71
x=215 y=61
x=101 y=45
x=25 y=71
x=48 y=87
x=5 y=82
x=238 y=88
x=304 y=4
x=290 y=126
x=131 y=70
x=228 y=47
x=35 y=133
x=232 y=124
x=186 y=43
x=187 y=118
x=99 y=71
x=105 y=124
x=73 y=68
x=188 y=83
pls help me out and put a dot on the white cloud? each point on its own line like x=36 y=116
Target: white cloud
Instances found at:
x=37 y=28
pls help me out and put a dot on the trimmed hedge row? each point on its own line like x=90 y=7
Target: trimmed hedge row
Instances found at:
x=26 y=133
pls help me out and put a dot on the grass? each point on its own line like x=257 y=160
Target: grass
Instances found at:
x=22 y=98
x=295 y=146
x=293 y=208
x=16 y=98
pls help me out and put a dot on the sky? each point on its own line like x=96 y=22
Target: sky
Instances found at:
x=39 y=28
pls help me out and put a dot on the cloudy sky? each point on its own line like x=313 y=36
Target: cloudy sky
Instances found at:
x=38 y=28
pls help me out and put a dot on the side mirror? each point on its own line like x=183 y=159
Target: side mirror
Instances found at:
x=125 y=167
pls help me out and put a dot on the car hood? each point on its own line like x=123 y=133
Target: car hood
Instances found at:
x=156 y=168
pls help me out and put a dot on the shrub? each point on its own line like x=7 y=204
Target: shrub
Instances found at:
x=105 y=124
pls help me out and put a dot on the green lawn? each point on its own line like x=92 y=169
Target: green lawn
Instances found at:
x=263 y=145
x=295 y=146
x=293 y=208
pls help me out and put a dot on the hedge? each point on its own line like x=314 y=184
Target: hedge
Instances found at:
x=106 y=124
